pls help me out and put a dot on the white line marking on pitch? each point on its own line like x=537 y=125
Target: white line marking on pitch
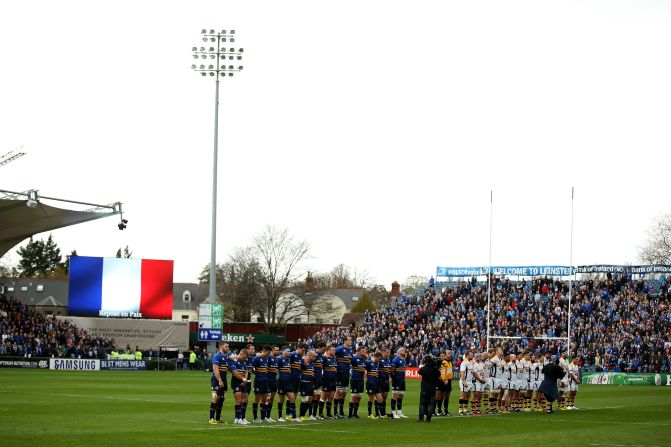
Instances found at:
x=611 y=422
x=627 y=445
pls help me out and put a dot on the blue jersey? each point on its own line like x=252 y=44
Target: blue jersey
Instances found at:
x=272 y=368
x=240 y=366
x=284 y=367
x=330 y=367
x=358 y=367
x=319 y=365
x=260 y=368
x=399 y=365
x=296 y=361
x=307 y=372
x=344 y=358
x=385 y=369
x=373 y=370
x=220 y=360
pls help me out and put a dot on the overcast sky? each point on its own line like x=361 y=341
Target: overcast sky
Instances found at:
x=375 y=130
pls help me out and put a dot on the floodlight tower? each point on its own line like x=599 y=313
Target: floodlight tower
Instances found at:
x=219 y=59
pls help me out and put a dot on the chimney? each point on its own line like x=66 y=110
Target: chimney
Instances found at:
x=395 y=289
x=309 y=283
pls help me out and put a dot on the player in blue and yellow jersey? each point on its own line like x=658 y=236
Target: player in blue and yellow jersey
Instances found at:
x=260 y=365
x=373 y=387
x=385 y=375
x=319 y=372
x=307 y=384
x=272 y=378
x=218 y=383
x=398 y=365
x=344 y=357
x=284 y=388
x=251 y=353
x=238 y=370
x=356 y=384
x=330 y=365
x=296 y=360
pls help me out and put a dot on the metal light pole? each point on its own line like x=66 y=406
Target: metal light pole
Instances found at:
x=217 y=58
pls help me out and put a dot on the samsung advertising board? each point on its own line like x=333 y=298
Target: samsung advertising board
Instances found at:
x=120 y=288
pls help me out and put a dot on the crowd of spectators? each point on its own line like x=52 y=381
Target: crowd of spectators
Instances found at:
x=617 y=323
x=26 y=332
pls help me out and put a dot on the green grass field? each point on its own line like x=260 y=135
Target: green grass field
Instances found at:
x=116 y=408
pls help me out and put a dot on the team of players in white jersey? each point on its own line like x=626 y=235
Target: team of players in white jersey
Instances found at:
x=505 y=383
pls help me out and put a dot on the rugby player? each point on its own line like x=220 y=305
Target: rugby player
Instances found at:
x=330 y=365
x=511 y=382
x=343 y=355
x=319 y=372
x=444 y=386
x=398 y=383
x=494 y=378
x=384 y=376
x=502 y=376
x=238 y=370
x=284 y=388
x=296 y=361
x=356 y=384
x=574 y=380
x=525 y=384
x=218 y=383
x=479 y=383
x=564 y=382
x=307 y=385
x=465 y=382
x=251 y=353
x=373 y=387
x=261 y=390
x=272 y=379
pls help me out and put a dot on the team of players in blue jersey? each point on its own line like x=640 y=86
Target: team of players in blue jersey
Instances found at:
x=321 y=376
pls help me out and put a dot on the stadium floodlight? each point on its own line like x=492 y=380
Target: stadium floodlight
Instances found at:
x=218 y=70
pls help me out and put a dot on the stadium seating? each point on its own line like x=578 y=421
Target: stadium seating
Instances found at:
x=617 y=323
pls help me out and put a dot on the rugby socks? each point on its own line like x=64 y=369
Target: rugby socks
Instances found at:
x=279 y=409
x=570 y=401
x=548 y=407
x=255 y=410
x=439 y=406
x=341 y=404
x=399 y=403
x=356 y=409
x=475 y=407
x=393 y=406
x=370 y=407
x=217 y=412
x=304 y=408
x=351 y=409
x=461 y=405
x=315 y=407
x=213 y=408
x=377 y=409
x=243 y=410
x=383 y=409
x=238 y=412
x=264 y=411
x=492 y=404
x=328 y=409
x=321 y=408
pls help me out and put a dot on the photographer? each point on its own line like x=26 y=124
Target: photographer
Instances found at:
x=430 y=376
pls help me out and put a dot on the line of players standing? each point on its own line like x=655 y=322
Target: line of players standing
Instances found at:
x=321 y=376
x=507 y=383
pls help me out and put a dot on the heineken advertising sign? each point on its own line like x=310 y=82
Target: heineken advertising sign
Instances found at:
x=613 y=378
x=253 y=338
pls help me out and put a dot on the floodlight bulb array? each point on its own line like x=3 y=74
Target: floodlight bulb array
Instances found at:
x=220 y=53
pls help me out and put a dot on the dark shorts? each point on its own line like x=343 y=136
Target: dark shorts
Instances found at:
x=220 y=390
x=448 y=386
x=372 y=388
x=342 y=379
x=238 y=387
x=398 y=385
x=248 y=388
x=356 y=386
x=329 y=384
x=260 y=387
x=296 y=384
x=318 y=382
x=284 y=387
x=384 y=386
x=307 y=389
x=272 y=387
x=441 y=386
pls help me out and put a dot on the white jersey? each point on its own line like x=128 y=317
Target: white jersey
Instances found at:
x=575 y=370
x=520 y=370
x=489 y=369
x=511 y=372
x=500 y=368
x=479 y=370
x=543 y=363
x=564 y=364
x=467 y=368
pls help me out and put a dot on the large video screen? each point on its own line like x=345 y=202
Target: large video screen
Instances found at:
x=120 y=288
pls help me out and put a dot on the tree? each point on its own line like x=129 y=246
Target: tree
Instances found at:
x=40 y=259
x=238 y=286
x=280 y=259
x=343 y=277
x=413 y=284
x=365 y=303
x=379 y=294
x=127 y=254
x=7 y=270
x=657 y=249
x=66 y=264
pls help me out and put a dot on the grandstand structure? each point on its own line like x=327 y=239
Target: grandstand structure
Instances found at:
x=24 y=214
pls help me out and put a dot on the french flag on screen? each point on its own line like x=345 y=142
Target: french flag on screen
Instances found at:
x=119 y=287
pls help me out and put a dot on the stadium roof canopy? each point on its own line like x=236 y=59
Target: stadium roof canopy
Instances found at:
x=22 y=214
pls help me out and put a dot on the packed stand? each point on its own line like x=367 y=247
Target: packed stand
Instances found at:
x=617 y=324
x=28 y=333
